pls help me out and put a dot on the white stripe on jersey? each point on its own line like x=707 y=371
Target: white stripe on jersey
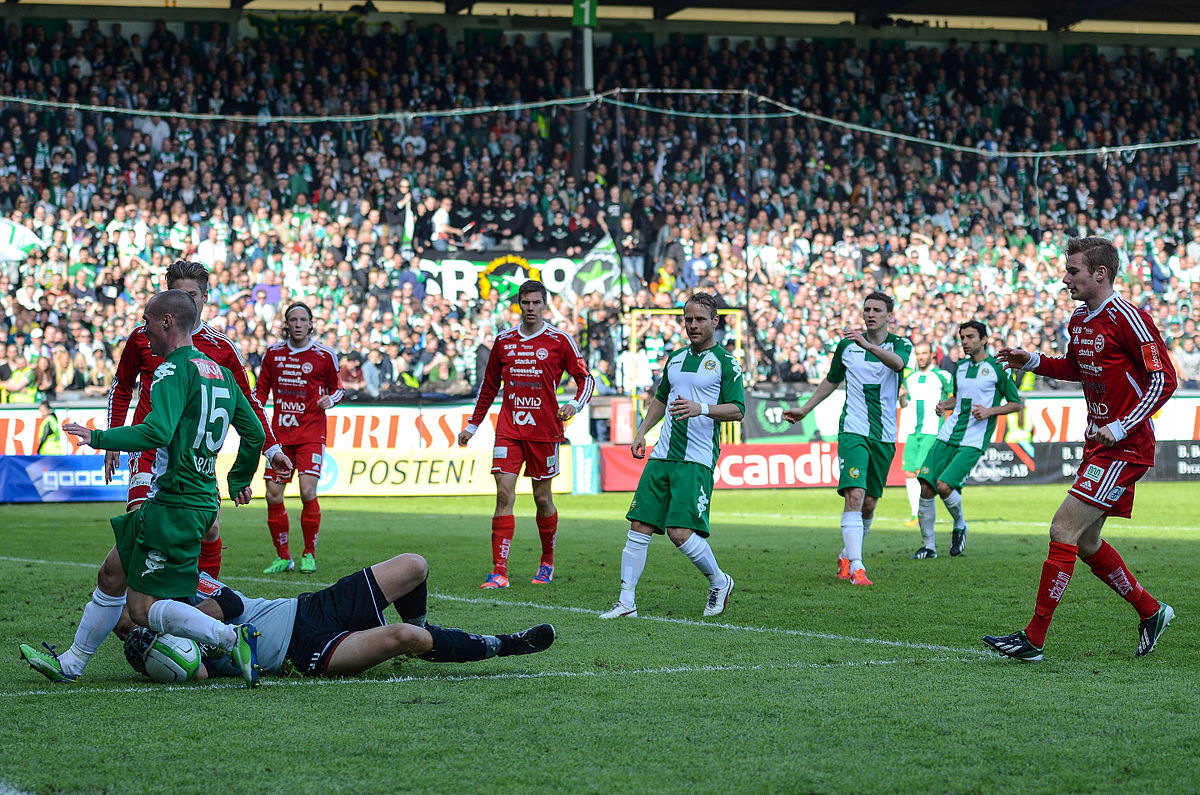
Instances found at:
x=1142 y=409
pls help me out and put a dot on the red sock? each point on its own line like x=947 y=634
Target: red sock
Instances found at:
x=502 y=533
x=547 y=530
x=210 y=559
x=310 y=525
x=1108 y=566
x=1056 y=574
x=277 y=523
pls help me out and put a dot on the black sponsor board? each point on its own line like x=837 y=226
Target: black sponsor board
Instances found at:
x=1056 y=462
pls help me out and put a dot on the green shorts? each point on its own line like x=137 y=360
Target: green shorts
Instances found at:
x=948 y=463
x=159 y=547
x=673 y=494
x=916 y=447
x=864 y=462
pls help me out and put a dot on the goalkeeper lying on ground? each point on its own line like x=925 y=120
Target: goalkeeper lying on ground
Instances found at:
x=341 y=630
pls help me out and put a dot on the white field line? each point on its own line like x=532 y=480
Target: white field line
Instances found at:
x=474 y=600
x=831 y=518
x=232 y=684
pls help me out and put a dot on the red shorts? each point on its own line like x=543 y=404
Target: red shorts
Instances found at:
x=1106 y=481
x=306 y=460
x=540 y=458
x=140 y=465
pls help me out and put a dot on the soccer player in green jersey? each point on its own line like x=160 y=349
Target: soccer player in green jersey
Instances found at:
x=923 y=389
x=701 y=387
x=195 y=401
x=870 y=362
x=983 y=390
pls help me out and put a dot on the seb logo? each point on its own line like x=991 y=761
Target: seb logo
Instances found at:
x=207 y=369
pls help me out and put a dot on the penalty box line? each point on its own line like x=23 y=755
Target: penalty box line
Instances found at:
x=798 y=633
x=269 y=682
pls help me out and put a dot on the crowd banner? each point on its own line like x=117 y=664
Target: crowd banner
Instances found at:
x=472 y=275
x=1053 y=418
x=815 y=464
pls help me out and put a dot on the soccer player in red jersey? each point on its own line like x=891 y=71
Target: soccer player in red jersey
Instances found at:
x=136 y=369
x=1116 y=351
x=530 y=359
x=304 y=375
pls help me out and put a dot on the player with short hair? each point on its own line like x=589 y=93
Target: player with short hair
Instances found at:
x=529 y=359
x=136 y=369
x=303 y=374
x=869 y=361
x=341 y=630
x=1118 y=354
x=924 y=387
x=195 y=402
x=701 y=387
x=980 y=384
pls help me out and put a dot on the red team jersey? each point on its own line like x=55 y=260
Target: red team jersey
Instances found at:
x=299 y=376
x=1119 y=355
x=531 y=368
x=137 y=365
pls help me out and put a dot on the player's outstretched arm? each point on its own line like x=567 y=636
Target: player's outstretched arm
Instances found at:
x=823 y=390
x=1014 y=358
x=168 y=400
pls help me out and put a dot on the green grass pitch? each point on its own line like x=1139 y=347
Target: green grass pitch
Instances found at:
x=805 y=684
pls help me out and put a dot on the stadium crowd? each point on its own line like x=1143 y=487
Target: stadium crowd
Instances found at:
x=791 y=217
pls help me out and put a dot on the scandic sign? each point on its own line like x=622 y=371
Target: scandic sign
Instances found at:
x=749 y=466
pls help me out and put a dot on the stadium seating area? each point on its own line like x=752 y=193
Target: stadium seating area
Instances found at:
x=792 y=217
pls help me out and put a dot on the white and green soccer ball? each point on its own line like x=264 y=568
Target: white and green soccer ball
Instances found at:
x=172 y=659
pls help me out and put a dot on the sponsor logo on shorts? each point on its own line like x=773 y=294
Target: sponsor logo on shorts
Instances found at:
x=499 y=452
x=154 y=562
x=1093 y=472
x=140 y=479
x=552 y=461
x=1115 y=493
x=1086 y=485
x=855 y=473
x=701 y=501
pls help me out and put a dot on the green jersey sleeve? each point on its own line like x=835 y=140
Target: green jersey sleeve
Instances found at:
x=837 y=368
x=252 y=436
x=664 y=385
x=902 y=347
x=733 y=388
x=1008 y=386
x=168 y=400
x=947 y=384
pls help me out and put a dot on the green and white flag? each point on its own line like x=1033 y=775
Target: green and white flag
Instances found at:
x=17 y=242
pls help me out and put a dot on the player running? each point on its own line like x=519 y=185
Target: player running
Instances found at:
x=923 y=389
x=136 y=369
x=1117 y=352
x=980 y=384
x=870 y=361
x=158 y=546
x=341 y=630
x=530 y=359
x=701 y=387
x=304 y=376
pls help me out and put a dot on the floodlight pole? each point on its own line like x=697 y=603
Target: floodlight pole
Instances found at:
x=582 y=22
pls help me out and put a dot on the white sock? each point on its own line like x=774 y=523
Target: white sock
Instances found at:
x=867 y=527
x=100 y=617
x=954 y=506
x=633 y=561
x=176 y=618
x=852 y=537
x=926 y=517
x=913 y=487
x=700 y=553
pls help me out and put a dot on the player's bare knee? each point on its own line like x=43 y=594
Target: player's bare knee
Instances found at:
x=854 y=499
x=927 y=491
x=408 y=639
x=110 y=579
x=944 y=489
x=415 y=566
x=678 y=535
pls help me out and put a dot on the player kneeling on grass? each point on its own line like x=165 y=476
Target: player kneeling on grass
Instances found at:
x=194 y=403
x=341 y=630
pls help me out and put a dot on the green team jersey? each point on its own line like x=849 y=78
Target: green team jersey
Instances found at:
x=194 y=401
x=984 y=383
x=872 y=388
x=925 y=390
x=712 y=376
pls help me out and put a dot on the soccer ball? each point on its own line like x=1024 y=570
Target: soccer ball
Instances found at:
x=162 y=658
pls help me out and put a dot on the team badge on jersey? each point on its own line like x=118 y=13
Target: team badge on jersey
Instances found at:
x=1099 y=342
x=306 y=368
x=710 y=364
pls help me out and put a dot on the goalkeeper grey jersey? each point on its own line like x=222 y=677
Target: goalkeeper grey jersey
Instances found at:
x=274 y=618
